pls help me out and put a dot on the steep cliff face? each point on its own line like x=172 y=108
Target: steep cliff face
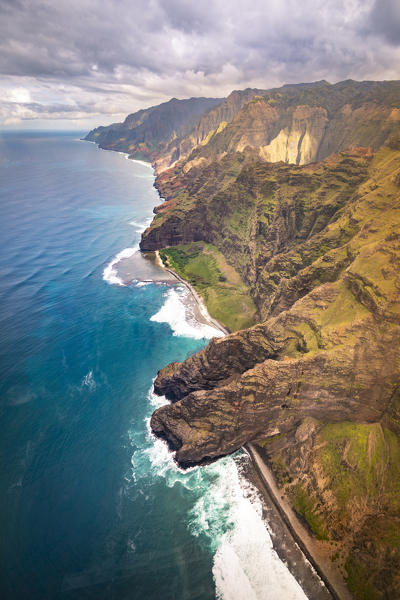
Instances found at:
x=144 y=133
x=328 y=346
x=300 y=125
x=166 y=133
x=295 y=124
x=316 y=382
x=210 y=123
x=270 y=221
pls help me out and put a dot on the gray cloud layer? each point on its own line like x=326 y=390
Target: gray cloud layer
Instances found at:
x=86 y=59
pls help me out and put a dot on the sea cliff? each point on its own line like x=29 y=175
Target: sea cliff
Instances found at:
x=285 y=216
x=315 y=383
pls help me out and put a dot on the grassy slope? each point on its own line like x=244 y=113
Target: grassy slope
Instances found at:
x=226 y=295
x=351 y=497
x=351 y=494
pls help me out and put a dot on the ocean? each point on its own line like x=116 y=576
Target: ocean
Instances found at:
x=91 y=505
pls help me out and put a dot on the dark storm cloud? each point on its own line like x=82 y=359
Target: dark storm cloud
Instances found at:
x=385 y=20
x=113 y=56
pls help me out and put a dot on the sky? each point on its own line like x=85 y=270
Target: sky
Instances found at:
x=76 y=64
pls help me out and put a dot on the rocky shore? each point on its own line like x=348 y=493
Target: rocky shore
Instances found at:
x=307 y=559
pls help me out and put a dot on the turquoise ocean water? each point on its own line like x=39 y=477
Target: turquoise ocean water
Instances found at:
x=91 y=506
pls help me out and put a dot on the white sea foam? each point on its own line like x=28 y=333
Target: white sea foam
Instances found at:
x=88 y=381
x=141 y=162
x=179 y=317
x=140 y=227
x=246 y=567
x=227 y=517
x=110 y=272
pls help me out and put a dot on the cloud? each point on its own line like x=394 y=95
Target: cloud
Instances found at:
x=88 y=59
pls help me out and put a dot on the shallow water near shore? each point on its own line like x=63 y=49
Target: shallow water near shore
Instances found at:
x=92 y=506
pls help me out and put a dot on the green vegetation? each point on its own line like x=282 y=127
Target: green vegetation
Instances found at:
x=359 y=581
x=318 y=247
x=362 y=461
x=305 y=505
x=226 y=296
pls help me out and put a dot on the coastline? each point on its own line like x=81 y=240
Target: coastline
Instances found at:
x=324 y=580
x=292 y=542
x=315 y=551
x=201 y=313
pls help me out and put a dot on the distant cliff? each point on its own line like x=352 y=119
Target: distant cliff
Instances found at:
x=145 y=133
x=296 y=124
x=299 y=125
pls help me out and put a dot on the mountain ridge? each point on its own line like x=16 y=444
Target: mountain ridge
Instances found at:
x=282 y=209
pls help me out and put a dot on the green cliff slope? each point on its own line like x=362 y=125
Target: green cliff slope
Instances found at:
x=143 y=134
x=316 y=382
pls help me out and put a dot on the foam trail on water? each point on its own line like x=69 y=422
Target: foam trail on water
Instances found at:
x=141 y=162
x=227 y=518
x=140 y=227
x=180 y=318
x=246 y=566
x=110 y=272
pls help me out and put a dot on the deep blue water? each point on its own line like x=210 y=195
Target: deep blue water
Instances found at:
x=90 y=505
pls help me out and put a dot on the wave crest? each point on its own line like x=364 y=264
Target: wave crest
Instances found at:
x=177 y=314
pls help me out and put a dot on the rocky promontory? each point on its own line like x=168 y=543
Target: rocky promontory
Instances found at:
x=282 y=209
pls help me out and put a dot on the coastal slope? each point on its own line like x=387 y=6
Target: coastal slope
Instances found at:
x=145 y=133
x=282 y=209
x=316 y=382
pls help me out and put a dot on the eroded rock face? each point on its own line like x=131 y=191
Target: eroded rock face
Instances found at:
x=299 y=142
x=316 y=384
x=216 y=417
x=293 y=124
x=328 y=347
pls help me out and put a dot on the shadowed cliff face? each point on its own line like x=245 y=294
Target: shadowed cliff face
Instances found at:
x=145 y=133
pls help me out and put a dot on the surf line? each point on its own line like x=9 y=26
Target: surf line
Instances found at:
x=198 y=299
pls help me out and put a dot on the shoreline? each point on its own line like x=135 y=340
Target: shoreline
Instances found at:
x=202 y=314
x=291 y=540
x=330 y=581
x=315 y=551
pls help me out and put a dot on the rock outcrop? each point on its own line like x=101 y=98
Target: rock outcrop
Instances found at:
x=299 y=125
x=295 y=124
x=146 y=133
x=315 y=383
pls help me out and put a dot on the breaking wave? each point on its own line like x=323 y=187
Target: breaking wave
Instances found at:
x=179 y=316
